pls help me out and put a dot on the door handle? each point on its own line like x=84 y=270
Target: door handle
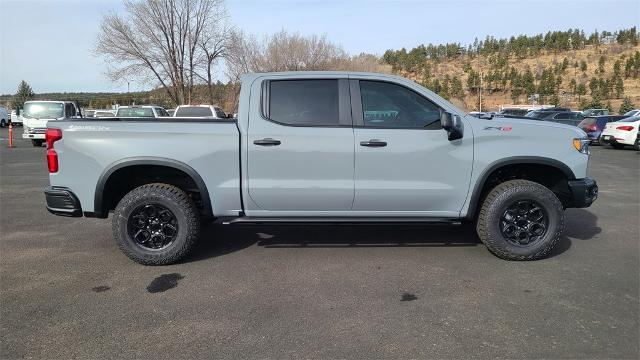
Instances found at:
x=373 y=143
x=267 y=142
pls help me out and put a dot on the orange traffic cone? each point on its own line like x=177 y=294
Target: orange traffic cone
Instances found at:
x=10 y=135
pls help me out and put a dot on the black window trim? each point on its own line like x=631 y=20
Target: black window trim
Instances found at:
x=344 y=108
x=356 y=105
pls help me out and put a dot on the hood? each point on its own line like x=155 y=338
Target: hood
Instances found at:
x=520 y=122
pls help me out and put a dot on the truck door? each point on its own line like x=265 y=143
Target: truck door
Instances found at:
x=404 y=162
x=301 y=146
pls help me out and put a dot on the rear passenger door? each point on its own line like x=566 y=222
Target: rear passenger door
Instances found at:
x=405 y=165
x=300 y=147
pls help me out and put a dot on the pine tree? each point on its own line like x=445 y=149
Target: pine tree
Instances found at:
x=601 y=64
x=619 y=87
x=626 y=105
x=581 y=90
x=23 y=94
x=583 y=66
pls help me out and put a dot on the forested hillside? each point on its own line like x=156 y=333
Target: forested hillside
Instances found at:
x=565 y=68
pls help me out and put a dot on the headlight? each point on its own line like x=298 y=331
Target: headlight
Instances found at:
x=582 y=145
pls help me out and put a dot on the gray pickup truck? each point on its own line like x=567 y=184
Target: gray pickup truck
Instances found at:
x=331 y=147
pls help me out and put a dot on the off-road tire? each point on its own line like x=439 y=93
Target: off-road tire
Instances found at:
x=170 y=197
x=37 y=143
x=495 y=204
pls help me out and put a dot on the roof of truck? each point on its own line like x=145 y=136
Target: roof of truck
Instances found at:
x=322 y=73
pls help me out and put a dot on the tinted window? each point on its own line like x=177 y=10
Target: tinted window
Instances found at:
x=162 y=112
x=193 y=111
x=304 y=102
x=135 y=112
x=587 y=122
x=390 y=105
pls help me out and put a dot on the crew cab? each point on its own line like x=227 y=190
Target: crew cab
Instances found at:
x=36 y=115
x=329 y=147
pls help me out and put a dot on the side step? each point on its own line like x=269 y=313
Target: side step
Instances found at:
x=335 y=220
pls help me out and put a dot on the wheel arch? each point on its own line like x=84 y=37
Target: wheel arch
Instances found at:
x=479 y=188
x=100 y=210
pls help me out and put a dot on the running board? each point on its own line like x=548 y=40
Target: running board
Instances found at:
x=336 y=220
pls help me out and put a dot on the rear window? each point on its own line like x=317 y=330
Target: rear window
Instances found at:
x=631 y=119
x=587 y=122
x=135 y=112
x=304 y=102
x=193 y=111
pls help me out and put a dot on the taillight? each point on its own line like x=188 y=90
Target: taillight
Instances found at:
x=52 y=160
x=625 y=128
x=51 y=136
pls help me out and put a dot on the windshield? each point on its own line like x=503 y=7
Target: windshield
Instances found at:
x=43 y=110
x=193 y=111
x=630 y=113
x=135 y=112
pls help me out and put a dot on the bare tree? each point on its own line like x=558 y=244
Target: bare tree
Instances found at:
x=284 y=51
x=169 y=42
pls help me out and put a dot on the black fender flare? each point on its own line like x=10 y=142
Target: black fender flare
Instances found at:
x=149 y=160
x=479 y=185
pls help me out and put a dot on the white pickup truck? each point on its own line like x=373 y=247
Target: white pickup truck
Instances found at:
x=36 y=115
x=331 y=147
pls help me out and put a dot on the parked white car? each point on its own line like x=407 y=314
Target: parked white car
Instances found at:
x=206 y=111
x=4 y=117
x=622 y=132
x=16 y=119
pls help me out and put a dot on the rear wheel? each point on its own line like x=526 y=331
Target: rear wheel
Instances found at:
x=37 y=143
x=636 y=145
x=520 y=220
x=156 y=224
x=617 y=146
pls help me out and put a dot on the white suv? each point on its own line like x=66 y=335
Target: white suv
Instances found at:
x=207 y=111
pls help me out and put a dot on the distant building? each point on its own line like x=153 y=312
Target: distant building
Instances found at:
x=609 y=39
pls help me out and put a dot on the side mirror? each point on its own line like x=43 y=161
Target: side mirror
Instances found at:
x=453 y=125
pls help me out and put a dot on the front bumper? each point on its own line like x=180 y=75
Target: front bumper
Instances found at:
x=61 y=201
x=33 y=136
x=583 y=192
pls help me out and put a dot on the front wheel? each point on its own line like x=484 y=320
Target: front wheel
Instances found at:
x=37 y=143
x=156 y=224
x=520 y=220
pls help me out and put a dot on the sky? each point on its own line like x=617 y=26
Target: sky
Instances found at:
x=48 y=43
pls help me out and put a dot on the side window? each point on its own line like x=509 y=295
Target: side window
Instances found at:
x=562 y=116
x=390 y=105
x=69 y=111
x=303 y=102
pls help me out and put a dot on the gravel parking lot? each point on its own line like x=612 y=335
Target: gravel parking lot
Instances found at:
x=318 y=291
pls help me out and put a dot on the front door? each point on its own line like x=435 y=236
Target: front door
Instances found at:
x=405 y=164
x=300 y=147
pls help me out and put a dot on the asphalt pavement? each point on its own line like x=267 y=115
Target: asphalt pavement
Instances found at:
x=376 y=291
